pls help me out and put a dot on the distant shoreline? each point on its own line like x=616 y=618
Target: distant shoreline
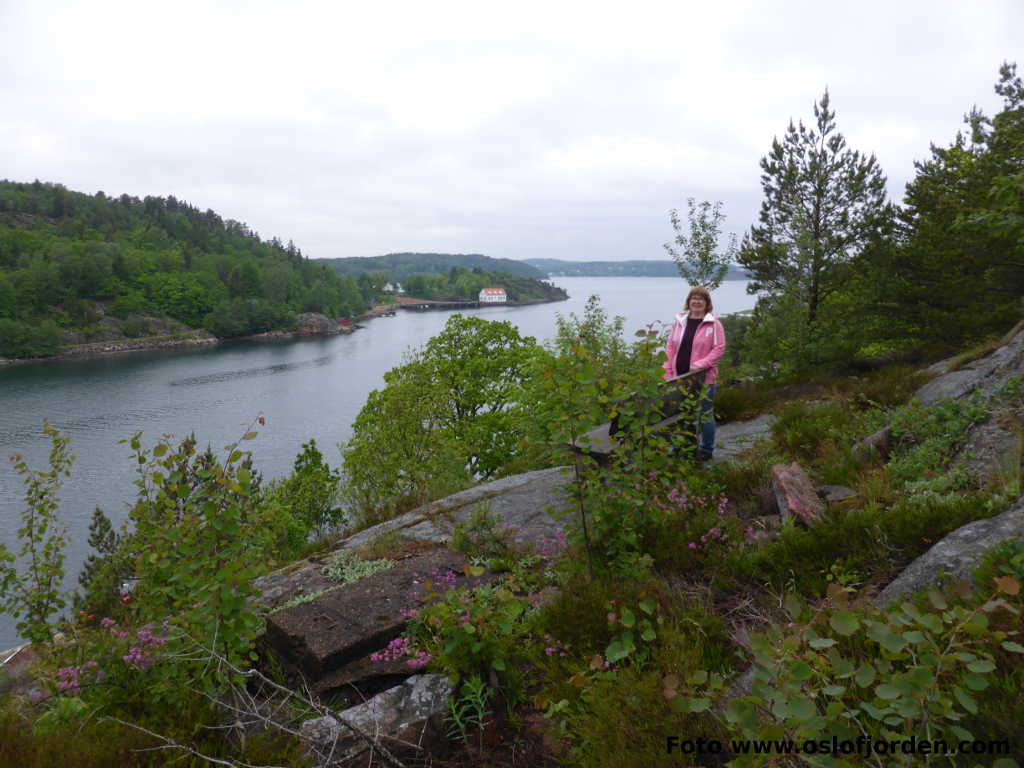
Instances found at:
x=196 y=339
x=201 y=338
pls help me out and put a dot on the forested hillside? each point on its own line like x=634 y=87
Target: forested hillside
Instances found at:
x=631 y=268
x=75 y=267
x=462 y=284
x=401 y=266
x=843 y=275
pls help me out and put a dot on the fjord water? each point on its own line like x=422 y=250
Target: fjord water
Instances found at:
x=308 y=388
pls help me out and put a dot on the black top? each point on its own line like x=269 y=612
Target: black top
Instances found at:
x=686 y=345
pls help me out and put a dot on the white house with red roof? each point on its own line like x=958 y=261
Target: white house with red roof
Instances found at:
x=493 y=296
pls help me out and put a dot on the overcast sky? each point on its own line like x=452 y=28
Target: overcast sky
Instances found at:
x=550 y=129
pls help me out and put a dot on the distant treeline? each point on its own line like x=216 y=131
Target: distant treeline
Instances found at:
x=633 y=268
x=462 y=284
x=402 y=266
x=71 y=262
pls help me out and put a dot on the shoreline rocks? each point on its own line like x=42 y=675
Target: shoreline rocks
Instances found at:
x=310 y=324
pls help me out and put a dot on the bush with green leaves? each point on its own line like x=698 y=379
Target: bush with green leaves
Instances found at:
x=906 y=672
x=927 y=437
x=476 y=631
x=483 y=536
x=572 y=380
x=31 y=579
x=200 y=537
x=469 y=713
x=311 y=493
x=442 y=418
x=399 y=456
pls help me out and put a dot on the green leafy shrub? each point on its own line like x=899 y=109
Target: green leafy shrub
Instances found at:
x=483 y=536
x=835 y=672
x=134 y=327
x=927 y=437
x=311 y=494
x=475 y=631
x=201 y=536
x=23 y=339
x=31 y=588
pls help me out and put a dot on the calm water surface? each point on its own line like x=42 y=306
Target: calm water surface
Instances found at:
x=310 y=388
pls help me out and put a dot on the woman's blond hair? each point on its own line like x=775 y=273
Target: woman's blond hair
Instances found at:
x=703 y=293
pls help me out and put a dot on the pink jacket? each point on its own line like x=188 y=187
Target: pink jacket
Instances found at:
x=708 y=346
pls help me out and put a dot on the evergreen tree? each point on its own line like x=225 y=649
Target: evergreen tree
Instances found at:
x=961 y=255
x=822 y=204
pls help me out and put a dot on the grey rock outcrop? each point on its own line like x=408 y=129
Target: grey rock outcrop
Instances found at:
x=407 y=720
x=949 y=386
x=833 y=494
x=992 y=454
x=986 y=373
x=736 y=437
x=877 y=444
x=520 y=501
x=955 y=556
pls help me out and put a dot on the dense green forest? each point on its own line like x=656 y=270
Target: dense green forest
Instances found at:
x=402 y=266
x=632 y=268
x=845 y=276
x=462 y=284
x=77 y=267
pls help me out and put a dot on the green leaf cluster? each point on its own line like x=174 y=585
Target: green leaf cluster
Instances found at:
x=31 y=579
x=442 y=418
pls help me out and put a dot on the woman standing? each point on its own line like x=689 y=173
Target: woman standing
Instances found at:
x=696 y=342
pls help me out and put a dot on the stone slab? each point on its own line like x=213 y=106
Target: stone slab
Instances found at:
x=353 y=620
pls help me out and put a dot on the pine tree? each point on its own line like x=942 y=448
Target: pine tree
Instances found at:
x=822 y=204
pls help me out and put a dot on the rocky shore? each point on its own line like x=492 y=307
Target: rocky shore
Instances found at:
x=309 y=324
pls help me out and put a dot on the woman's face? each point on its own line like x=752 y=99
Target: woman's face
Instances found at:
x=697 y=304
